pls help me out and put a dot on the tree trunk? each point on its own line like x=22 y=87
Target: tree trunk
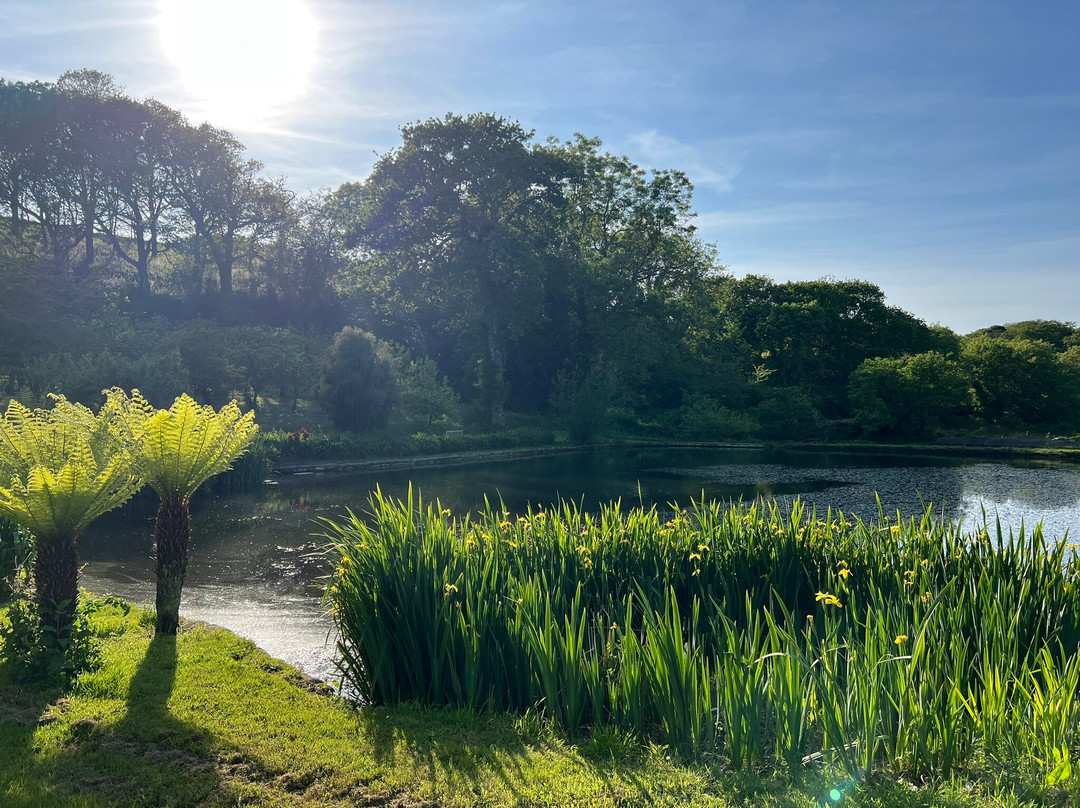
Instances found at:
x=496 y=375
x=144 y=250
x=56 y=580
x=198 y=277
x=88 y=236
x=225 y=265
x=171 y=536
x=16 y=219
x=142 y=271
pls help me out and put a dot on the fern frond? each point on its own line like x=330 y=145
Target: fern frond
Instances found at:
x=176 y=450
x=64 y=465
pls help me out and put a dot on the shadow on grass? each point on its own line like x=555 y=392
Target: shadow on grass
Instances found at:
x=159 y=748
x=147 y=758
x=22 y=711
x=465 y=747
x=151 y=687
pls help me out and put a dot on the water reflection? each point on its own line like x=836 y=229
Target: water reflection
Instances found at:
x=255 y=566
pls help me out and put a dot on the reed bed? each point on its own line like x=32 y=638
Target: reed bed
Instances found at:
x=749 y=634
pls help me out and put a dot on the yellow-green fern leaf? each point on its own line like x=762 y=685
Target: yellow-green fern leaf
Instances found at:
x=176 y=450
x=64 y=468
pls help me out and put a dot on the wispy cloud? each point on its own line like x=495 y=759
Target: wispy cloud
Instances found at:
x=722 y=221
x=35 y=20
x=704 y=167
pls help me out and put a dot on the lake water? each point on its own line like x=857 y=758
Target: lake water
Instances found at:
x=255 y=567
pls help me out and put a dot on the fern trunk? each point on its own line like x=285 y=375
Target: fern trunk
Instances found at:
x=56 y=581
x=172 y=534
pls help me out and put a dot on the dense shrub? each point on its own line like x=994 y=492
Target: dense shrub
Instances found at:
x=358 y=387
x=248 y=471
x=1021 y=382
x=582 y=400
x=908 y=397
x=704 y=418
x=29 y=657
x=788 y=413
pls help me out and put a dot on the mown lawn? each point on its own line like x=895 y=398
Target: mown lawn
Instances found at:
x=207 y=719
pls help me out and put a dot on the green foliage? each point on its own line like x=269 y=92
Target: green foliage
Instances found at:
x=152 y=725
x=908 y=397
x=358 y=388
x=472 y=253
x=210 y=369
x=1020 y=382
x=141 y=251
x=248 y=471
x=16 y=557
x=162 y=373
x=704 y=418
x=751 y=632
x=331 y=445
x=425 y=398
x=582 y=400
x=788 y=413
x=1053 y=332
x=64 y=468
x=175 y=451
x=29 y=655
x=263 y=358
x=813 y=334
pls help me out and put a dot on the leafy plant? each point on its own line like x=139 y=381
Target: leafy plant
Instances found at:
x=358 y=387
x=747 y=631
x=175 y=451
x=16 y=556
x=30 y=653
x=65 y=469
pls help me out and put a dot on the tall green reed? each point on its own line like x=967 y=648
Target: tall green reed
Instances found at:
x=750 y=632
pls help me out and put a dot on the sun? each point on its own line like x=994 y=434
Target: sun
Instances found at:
x=243 y=60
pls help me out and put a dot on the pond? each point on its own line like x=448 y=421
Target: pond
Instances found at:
x=255 y=564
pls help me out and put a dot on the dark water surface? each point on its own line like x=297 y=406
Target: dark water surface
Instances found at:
x=255 y=567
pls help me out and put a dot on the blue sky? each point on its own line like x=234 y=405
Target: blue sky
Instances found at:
x=932 y=148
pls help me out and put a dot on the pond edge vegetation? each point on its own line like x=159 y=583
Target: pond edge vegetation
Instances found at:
x=746 y=634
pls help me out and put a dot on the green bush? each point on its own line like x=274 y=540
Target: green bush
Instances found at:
x=788 y=413
x=703 y=418
x=248 y=471
x=908 y=397
x=16 y=557
x=425 y=398
x=358 y=388
x=29 y=657
x=582 y=400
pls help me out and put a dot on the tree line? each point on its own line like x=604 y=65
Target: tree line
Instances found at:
x=476 y=276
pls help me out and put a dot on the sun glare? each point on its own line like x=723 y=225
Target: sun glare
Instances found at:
x=243 y=60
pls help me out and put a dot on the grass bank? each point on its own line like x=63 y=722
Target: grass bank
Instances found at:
x=206 y=719
x=301 y=447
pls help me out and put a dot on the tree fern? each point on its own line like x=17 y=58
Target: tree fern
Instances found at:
x=175 y=451
x=63 y=468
